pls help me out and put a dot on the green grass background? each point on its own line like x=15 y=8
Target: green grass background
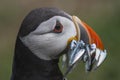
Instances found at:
x=102 y=15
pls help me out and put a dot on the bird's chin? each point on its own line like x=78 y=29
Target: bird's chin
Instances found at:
x=64 y=52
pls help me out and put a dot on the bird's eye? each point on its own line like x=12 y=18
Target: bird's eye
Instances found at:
x=58 y=27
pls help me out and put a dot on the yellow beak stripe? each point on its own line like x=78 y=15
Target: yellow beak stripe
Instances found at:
x=75 y=21
x=77 y=37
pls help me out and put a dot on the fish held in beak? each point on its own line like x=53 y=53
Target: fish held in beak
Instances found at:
x=92 y=53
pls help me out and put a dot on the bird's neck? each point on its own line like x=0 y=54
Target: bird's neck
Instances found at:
x=27 y=66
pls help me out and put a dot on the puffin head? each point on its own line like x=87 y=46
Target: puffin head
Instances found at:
x=47 y=33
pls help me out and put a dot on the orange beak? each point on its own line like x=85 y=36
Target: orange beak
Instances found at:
x=93 y=36
x=86 y=46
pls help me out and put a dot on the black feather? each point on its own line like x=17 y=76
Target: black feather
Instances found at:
x=27 y=66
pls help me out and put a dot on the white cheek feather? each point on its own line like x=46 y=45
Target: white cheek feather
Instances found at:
x=47 y=46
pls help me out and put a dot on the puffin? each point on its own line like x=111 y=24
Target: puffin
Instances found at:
x=45 y=35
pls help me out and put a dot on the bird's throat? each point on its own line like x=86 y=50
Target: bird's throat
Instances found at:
x=27 y=66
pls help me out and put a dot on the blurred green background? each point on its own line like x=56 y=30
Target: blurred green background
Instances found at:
x=102 y=15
